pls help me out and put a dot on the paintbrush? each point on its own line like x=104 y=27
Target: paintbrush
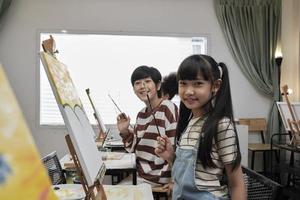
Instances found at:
x=151 y=110
x=122 y=113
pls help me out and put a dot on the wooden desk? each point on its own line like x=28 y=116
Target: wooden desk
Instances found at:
x=114 y=145
x=126 y=163
x=113 y=192
x=128 y=192
x=117 y=168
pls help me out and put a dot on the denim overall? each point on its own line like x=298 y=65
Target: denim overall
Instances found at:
x=183 y=173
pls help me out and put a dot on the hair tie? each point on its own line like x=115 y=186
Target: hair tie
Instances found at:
x=221 y=71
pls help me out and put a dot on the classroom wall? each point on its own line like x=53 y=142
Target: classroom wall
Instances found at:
x=291 y=47
x=18 y=46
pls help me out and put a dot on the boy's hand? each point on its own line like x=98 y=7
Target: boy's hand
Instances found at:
x=169 y=187
x=123 y=122
x=165 y=149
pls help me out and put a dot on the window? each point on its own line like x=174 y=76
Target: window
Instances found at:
x=104 y=63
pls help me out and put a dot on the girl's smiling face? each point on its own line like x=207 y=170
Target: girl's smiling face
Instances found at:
x=196 y=94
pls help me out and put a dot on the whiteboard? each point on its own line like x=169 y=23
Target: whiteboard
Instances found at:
x=285 y=112
x=242 y=131
x=75 y=118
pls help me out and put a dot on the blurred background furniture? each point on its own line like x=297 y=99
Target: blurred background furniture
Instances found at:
x=258 y=125
x=287 y=172
x=260 y=187
x=55 y=171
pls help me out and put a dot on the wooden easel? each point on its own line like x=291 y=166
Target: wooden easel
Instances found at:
x=89 y=190
x=96 y=190
x=49 y=46
x=294 y=124
x=102 y=134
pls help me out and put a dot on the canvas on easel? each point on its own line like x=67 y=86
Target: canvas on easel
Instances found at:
x=22 y=174
x=285 y=113
x=293 y=122
x=86 y=154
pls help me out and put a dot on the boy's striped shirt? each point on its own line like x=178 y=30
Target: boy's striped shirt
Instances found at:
x=144 y=141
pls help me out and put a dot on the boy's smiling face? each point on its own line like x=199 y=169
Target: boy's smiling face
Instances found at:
x=143 y=86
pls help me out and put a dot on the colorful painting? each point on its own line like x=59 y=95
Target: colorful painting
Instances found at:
x=75 y=118
x=60 y=79
x=22 y=174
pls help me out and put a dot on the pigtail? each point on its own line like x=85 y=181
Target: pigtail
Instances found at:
x=225 y=91
x=222 y=108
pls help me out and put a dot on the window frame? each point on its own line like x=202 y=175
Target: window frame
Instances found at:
x=86 y=32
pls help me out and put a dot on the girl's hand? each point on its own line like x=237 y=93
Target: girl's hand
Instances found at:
x=123 y=122
x=165 y=149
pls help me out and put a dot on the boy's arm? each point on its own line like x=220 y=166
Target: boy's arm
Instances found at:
x=171 y=118
x=127 y=135
x=129 y=140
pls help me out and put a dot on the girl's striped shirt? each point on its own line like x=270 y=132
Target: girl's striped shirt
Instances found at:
x=224 y=151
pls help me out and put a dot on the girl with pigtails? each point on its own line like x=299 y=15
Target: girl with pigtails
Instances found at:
x=207 y=147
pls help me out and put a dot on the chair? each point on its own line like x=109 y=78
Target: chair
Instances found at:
x=55 y=171
x=260 y=187
x=256 y=125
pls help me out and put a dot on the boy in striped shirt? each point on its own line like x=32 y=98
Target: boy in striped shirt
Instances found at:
x=158 y=117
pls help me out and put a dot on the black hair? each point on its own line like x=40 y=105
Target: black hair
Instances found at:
x=208 y=68
x=169 y=85
x=142 y=72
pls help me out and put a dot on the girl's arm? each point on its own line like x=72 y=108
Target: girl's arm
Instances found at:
x=236 y=182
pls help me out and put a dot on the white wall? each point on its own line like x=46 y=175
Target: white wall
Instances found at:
x=18 y=45
x=290 y=68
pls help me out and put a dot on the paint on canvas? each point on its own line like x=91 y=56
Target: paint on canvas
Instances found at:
x=60 y=79
x=22 y=174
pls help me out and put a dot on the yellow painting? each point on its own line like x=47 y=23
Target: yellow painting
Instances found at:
x=63 y=84
x=22 y=174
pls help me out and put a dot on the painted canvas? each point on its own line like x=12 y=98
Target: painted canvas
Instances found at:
x=286 y=114
x=75 y=118
x=22 y=174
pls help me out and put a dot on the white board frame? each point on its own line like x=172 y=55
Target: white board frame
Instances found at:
x=286 y=114
x=242 y=131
